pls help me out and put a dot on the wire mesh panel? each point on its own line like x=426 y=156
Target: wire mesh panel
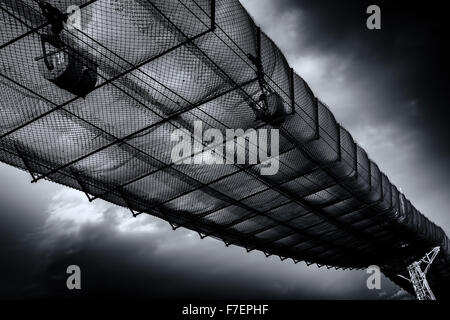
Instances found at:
x=95 y=107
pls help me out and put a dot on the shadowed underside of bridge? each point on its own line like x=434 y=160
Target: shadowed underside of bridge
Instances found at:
x=161 y=65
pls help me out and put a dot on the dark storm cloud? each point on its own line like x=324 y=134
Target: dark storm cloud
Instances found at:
x=22 y=212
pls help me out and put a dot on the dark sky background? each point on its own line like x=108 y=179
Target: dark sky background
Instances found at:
x=388 y=87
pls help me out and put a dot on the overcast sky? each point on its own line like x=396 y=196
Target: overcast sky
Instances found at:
x=388 y=88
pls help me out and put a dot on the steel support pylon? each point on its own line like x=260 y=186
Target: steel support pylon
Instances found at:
x=417 y=276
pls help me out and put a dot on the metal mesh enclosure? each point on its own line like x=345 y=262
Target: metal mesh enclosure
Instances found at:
x=161 y=65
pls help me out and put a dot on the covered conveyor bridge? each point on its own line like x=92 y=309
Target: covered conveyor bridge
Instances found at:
x=93 y=106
